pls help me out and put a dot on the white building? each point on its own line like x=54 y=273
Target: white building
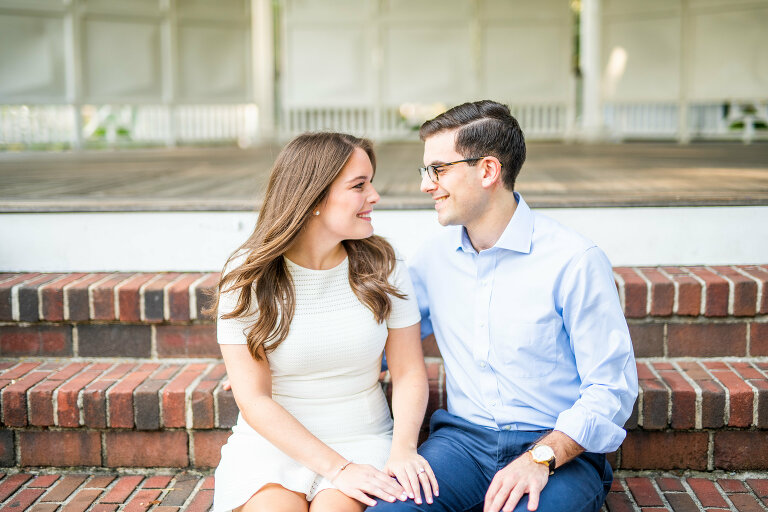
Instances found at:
x=101 y=72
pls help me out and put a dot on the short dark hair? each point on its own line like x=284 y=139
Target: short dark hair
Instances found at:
x=485 y=128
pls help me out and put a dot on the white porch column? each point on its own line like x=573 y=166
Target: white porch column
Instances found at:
x=589 y=62
x=263 y=65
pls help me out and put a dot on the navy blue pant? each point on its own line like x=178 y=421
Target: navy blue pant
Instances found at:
x=465 y=457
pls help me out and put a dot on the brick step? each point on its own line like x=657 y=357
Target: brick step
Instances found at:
x=719 y=311
x=691 y=414
x=171 y=492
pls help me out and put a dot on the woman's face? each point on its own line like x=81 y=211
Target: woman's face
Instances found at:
x=346 y=211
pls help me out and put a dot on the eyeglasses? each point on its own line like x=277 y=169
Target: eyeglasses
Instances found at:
x=433 y=171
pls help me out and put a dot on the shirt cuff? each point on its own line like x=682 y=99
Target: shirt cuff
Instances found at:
x=594 y=433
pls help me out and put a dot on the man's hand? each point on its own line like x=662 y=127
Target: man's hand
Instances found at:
x=521 y=476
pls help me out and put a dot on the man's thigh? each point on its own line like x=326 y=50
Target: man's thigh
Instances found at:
x=462 y=482
x=579 y=486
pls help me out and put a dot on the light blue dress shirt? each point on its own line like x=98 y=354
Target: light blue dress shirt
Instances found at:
x=531 y=330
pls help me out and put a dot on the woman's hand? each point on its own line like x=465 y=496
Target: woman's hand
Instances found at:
x=414 y=473
x=358 y=481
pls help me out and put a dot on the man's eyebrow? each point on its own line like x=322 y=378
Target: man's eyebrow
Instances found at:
x=437 y=163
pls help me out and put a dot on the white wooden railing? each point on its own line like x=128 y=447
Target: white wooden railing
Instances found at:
x=115 y=125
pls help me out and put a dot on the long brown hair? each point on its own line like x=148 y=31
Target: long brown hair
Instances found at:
x=298 y=183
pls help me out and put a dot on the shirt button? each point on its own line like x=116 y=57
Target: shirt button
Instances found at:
x=492 y=403
x=482 y=323
x=506 y=427
x=482 y=364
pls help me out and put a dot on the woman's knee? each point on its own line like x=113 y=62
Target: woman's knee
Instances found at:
x=333 y=500
x=275 y=498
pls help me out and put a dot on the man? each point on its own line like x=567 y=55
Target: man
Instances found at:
x=539 y=365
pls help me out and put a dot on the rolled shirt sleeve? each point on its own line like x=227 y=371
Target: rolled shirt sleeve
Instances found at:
x=600 y=341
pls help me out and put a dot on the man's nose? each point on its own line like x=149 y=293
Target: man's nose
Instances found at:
x=427 y=186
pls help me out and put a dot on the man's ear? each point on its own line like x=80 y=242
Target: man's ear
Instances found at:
x=490 y=171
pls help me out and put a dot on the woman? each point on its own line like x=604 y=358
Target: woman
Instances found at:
x=305 y=307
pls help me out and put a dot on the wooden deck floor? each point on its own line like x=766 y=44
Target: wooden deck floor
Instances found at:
x=555 y=175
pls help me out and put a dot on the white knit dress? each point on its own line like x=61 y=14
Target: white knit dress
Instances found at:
x=325 y=373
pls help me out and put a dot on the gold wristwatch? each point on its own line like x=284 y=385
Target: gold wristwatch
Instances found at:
x=543 y=454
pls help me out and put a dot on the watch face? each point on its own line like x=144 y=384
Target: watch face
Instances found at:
x=542 y=453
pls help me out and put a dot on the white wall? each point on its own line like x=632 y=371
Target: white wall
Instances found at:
x=193 y=241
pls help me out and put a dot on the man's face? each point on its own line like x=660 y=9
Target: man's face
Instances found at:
x=458 y=195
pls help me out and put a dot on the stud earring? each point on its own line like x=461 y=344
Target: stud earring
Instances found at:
x=317 y=212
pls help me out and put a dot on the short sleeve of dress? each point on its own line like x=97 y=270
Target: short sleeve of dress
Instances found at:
x=231 y=331
x=405 y=312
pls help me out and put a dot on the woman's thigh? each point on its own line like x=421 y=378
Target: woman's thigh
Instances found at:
x=333 y=500
x=275 y=498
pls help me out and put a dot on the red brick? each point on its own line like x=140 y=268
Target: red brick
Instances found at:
x=43 y=481
x=44 y=507
x=760 y=275
x=59 y=448
x=738 y=450
x=129 y=300
x=758 y=334
x=740 y=393
x=6 y=288
x=143 y=499
x=157 y=482
x=664 y=450
x=27 y=293
x=227 y=408
x=68 y=412
x=14 y=397
x=120 y=396
x=95 y=396
x=204 y=294
x=178 y=298
x=201 y=502
x=40 y=397
x=23 y=499
x=146 y=398
x=683 y=398
x=187 y=341
x=146 y=449
x=662 y=291
x=104 y=508
x=706 y=492
x=687 y=291
x=154 y=297
x=100 y=481
x=655 y=399
x=103 y=296
x=635 y=293
x=744 y=291
x=35 y=340
x=759 y=486
x=681 y=502
x=183 y=486
x=716 y=291
x=77 y=298
x=712 y=395
x=82 y=500
x=670 y=484
x=208 y=483
x=175 y=393
x=64 y=488
x=749 y=373
x=114 y=340
x=207 y=447
x=619 y=502
x=10 y=485
x=647 y=339
x=706 y=340
x=122 y=489
x=731 y=486
x=644 y=492
x=746 y=503
x=52 y=295
x=202 y=398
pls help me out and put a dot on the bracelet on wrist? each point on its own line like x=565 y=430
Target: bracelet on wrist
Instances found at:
x=338 y=471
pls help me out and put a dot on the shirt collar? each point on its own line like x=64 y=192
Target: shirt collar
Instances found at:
x=517 y=235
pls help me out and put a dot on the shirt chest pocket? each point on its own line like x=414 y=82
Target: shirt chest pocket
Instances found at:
x=527 y=350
